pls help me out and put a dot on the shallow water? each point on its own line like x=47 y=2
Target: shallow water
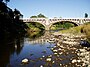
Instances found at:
x=14 y=52
x=38 y=48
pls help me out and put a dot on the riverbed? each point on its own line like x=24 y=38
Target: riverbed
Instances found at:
x=46 y=50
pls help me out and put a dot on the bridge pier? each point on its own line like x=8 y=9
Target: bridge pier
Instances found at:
x=47 y=27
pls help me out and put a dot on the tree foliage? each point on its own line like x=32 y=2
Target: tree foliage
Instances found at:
x=7 y=1
x=33 y=17
x=10 y=22
x=38 y=16
x=86 y=15
x=41 y=16
x=62 y=25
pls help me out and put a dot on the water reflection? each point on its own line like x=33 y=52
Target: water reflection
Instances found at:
x=14 y=49
x=35 y=34
x=7 y=48
x=40 y=38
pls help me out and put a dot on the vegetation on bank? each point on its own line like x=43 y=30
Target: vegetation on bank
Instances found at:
x=86 y=30
x=62 y=25
x=10 y=23
x=34 y=27
x=83 y=29
x=35 y=30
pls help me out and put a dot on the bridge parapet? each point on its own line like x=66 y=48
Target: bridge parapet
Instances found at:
x=34 y=19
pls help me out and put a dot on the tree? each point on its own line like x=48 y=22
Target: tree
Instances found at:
x=17 y=14
x=33 y=17
x=1 y=0
x=86 y=15
x=41 y=16
x=38 y=16
x=7 y=1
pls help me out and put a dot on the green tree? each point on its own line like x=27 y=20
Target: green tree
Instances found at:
x=86 y=15
x=17 y=14
x=41 y=16
x=33 y=17
x=1 y=0
x=7 y=1
x=38 y=16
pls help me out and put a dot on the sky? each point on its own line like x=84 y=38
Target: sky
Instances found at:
x=52 y=8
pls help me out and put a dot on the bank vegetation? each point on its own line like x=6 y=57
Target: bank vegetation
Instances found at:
x=82 y=29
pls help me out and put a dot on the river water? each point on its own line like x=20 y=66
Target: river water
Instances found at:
x=43 y=50
x=13 y=51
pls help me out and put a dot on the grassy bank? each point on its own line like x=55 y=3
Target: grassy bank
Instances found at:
x=86 y=30
x=82 y=29
x=74 y=30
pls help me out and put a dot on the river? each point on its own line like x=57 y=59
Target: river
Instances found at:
x=12 y=51
x=43 y=50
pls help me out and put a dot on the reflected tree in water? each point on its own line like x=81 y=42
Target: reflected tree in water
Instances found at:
x=8 y=49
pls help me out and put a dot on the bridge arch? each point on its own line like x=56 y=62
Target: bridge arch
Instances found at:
x=62 y=22
x=36 y=23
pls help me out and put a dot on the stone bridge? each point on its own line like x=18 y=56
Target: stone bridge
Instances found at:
x=48 y=22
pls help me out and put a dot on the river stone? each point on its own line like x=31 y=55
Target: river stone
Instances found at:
x=41 y=66
x=25 y=61
x=53 y=61
x=55 y=53
x=52 y=48
x=78 y=60
x=43 y=56
x=48 y=59
x=58 y=44
x=55 y=50
x=50 y=56
x=82 y=50
x=73 y=61
x=59 y=49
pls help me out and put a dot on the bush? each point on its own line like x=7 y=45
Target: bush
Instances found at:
x=86 y=30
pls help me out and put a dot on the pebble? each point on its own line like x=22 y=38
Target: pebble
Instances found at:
x=48 y=59
x=25 y=60
x=73 y=61
x=78 y=61
x=60 y=53
x=59 y=49
x=41 y=66
x=51 y=48
x=55 y=53
x=55 y=46
x=55 y=50
x=50 y=56
x=58 y=44
x=61 y=46
x=53 y=62
x=60 y=64
x=82 y=50
x=43 y=56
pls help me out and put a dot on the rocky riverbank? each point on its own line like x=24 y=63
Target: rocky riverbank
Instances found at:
x=66 y=53
x=74 y=55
